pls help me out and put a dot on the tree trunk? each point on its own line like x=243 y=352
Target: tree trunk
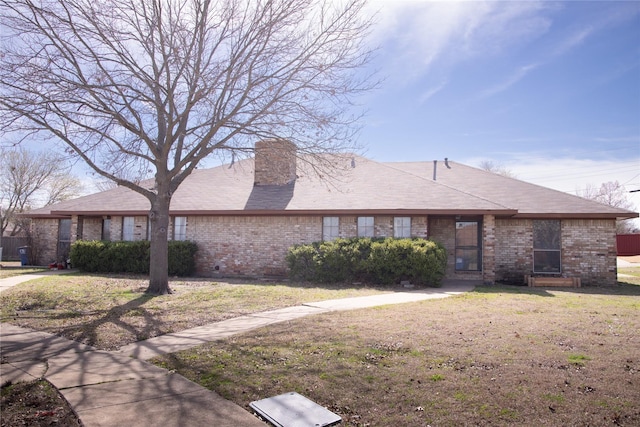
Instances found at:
x=159 y=255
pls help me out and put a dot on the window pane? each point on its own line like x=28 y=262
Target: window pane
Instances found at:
x=546 y=234
x=401 y=227
x=467 y=233
x=330 y=227
x=180 y=228
x=127 y=228
x=365 y=226
x=467 y=259
x=546 y=261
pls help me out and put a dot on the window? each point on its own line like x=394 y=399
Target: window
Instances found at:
x=468 y=248
x=401 y=227
x=127 y=228
x=546 y=246
x=365 y=226
x=106 y=229
x=330 y=227
x=180 y=228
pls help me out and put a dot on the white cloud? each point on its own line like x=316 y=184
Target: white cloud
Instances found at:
x=518 y=75
x=432 y=91
x=572 y=40
x=422 y=35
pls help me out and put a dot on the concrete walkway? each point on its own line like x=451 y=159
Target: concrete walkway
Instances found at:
x=121 y=388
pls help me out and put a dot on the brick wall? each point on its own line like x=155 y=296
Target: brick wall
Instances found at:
x=91 y=228
x=256 y=245
x=275 y=162
x=588 y=250
x=514 y=249
x=489 y=249
x=248 y=245
x=45 y=240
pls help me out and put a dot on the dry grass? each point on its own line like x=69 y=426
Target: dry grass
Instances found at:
x=496 y=356
x=36 y=404
x=109 y=312
x=6 y=272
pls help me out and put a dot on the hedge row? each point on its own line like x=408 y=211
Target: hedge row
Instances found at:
x=380 y=261
x=130 y=257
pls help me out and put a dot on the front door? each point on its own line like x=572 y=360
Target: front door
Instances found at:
x=64 y=240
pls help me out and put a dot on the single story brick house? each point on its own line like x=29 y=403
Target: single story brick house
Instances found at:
x=245 y=216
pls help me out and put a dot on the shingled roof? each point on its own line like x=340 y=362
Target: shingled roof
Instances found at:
x=365 y=187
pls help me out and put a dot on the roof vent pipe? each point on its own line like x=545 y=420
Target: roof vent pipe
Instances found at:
x=446 y=162
x=435 y=166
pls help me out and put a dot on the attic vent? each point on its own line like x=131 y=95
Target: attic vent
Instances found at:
x=275 y=162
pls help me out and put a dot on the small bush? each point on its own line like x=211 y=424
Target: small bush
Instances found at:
x=302 y=262
x=381 y=261
x=182 y=258
x=130 y=257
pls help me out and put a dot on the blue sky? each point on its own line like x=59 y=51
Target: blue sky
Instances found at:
x=548 y=90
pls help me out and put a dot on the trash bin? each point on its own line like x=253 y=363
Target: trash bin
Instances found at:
x=24 y=255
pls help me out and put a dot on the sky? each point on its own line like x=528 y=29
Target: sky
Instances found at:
x=548 y=90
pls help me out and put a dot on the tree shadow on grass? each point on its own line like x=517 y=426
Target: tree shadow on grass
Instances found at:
x=88 y=332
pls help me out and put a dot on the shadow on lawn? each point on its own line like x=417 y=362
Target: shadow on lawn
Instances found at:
x=87 y=332
x=621 y=289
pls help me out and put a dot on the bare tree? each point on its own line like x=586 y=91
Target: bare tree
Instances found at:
x=490 y=166
x=30 y=180
x=156 y=86
x=613 y=194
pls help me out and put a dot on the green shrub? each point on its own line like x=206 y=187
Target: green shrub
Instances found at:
x=88 y=256
x=302 y=263
x=182 y=258
x=130 y=257
x=380 y=261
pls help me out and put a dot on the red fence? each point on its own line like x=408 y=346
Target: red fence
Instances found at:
x=628 y=244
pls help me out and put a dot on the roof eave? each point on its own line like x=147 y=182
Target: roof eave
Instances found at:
x=574 y=215
x=286 y=212
x=337 y=212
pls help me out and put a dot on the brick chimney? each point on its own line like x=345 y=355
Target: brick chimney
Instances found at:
x=275 y=162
